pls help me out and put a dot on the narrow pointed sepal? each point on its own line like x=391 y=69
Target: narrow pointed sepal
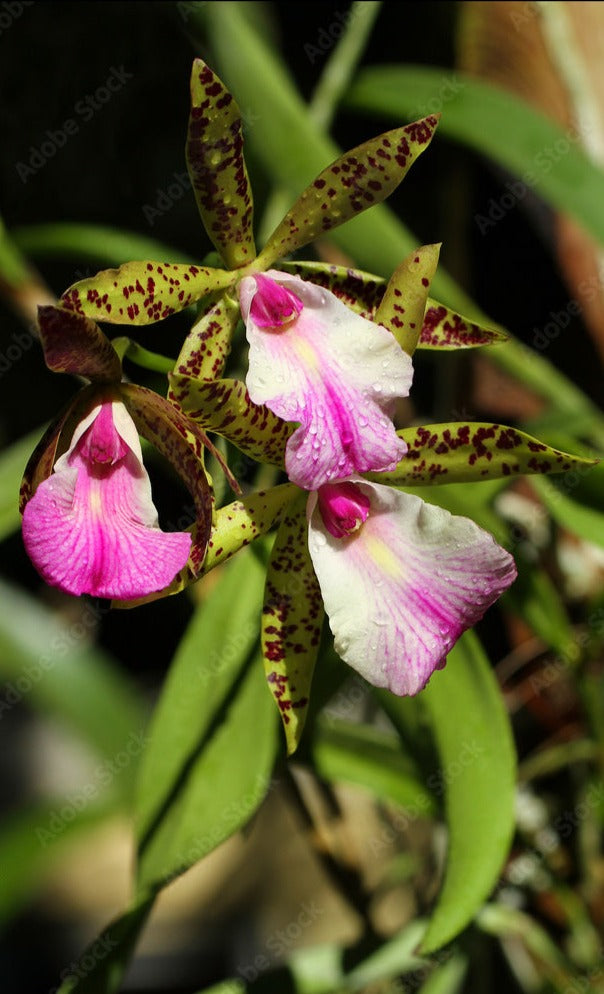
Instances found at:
x=217 y=168
x=75 y=344
x=402 y=307
x=357 y=180
x=462 y=453
x=207 y=346
x=182 y=444
x=291 y=622
x=225 y=407
x=241 y=522
x=445 y=329
x=140 y=293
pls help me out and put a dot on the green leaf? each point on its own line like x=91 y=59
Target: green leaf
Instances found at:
x=217 y=168
x=372 y=759
x=292 y=617
x=129 y=349
x=477 y=775
x=92 y=243
x=357 y=180
x=535 y=598
x=239 y=523
x=448 y=977
x=75 y=344
x=207 y=346
x=51 y=665
x=403 y=305
x=397 y=955
x=12 y=467
x=110 y=953
x=140 y=293
x=460 y=453
x=213 y=737
x=498 y=124
x=584 y=521
x=225 y=407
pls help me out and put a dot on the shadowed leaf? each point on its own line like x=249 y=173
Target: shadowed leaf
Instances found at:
x=292 y=617
x=217 y=167
x=141 y=293
x=358 y=179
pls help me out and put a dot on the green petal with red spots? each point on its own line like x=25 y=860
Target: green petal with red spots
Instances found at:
x=217 y=168
x=50 y=447
x=292 y=617
x=224 y=407
x=75 y=344
x=140 y=293
x=208 y=343
x=239 y=523
x=182 y=444
x=402 y=307
x=357 y=180
x=442 y=328
x=462 y=453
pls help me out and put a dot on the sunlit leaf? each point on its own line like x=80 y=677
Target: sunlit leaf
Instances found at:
x=292 y=617
x=213 y=737
x=403 y=305
x=141 y=293
x=459 y=453
x=584 y=521
x=357 y=180
x=372 y=759
x=477 y=776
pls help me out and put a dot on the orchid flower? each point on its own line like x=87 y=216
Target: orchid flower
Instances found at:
x=89 y=522
x=400 y=579
x=313 y=360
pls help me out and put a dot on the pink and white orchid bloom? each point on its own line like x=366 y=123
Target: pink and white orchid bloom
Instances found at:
x=91 y=527
x=314 y=361
x=400 y=579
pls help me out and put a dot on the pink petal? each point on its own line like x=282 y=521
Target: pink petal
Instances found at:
x=401 y=590
x=91 y=527
x=333 y=371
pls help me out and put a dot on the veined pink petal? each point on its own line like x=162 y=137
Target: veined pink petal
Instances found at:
x=91 y=527
x=401 y=590
x=333 y=371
